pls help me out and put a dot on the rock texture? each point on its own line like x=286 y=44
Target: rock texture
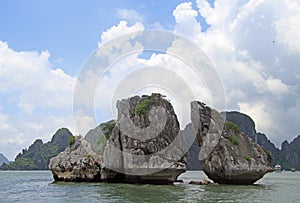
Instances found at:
x=227 y=155
x=146 y=145
x=289 y=154
x=193 y=162
x=99 y=135
x=247 y=126
x=77 y=163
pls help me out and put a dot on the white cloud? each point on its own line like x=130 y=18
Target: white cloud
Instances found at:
x=288 y=27
x=31 y=75
x=4 y=125
x=257 y=111
x=130 y=15
x=186 y=24
x=36 y=99
x=121 y=29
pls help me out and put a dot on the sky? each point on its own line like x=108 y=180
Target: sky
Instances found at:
x=254 y=46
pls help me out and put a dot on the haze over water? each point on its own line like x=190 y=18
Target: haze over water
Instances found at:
x=38 y=186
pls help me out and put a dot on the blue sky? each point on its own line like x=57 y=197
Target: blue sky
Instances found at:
x=70 y=30
x=254 y=45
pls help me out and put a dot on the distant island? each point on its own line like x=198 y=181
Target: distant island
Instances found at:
x=3 y=159
x=38 y=155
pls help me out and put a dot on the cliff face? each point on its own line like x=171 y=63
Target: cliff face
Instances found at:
x=289 y=154
x=146 y=144
x=99 y=135
x=243 y=121
x=227 y=155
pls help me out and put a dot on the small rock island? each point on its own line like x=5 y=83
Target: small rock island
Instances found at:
x=145 y=145
x=227 y=155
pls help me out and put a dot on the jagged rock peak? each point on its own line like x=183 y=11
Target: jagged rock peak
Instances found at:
x=227 y=155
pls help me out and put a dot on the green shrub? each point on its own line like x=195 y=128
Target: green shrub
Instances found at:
x=108 y=128
x=248 y=158
x=269 y=153
x=233 y=140
x=233 y=127
x=71 y=140
x=143 y=107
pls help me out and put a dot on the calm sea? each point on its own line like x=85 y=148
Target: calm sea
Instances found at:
x=38 y=186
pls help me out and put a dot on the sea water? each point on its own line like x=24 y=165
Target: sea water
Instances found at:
x=38 y=186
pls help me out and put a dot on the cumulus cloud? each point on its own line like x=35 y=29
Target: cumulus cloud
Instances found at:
x=186 y=24
x=31 y=93
x=254 y=47
x=121 y=29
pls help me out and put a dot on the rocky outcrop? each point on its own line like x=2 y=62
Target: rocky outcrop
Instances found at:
x=146 y=145
x=99 y=136
x=77 y=163
x=247 y=126
x=227 y=155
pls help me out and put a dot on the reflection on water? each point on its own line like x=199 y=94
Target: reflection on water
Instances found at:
x=38 y=186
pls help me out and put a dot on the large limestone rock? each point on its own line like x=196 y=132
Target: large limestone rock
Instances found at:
x=146 y=145
x=227 y=155
x=77 y=163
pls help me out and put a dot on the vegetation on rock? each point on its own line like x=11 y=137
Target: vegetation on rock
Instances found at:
x=108 y=127
x=233 y=140
x=38 y=155
x=143 y=107
x=232 y=127
x=71 y=140
x=247 y=158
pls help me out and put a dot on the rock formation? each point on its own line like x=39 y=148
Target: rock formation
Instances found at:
x=146 y=145
x=227 y=155
x=77 y=163
x=38 y=155
x=247 y=126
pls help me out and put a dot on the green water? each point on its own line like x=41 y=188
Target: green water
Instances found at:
x=38 y=186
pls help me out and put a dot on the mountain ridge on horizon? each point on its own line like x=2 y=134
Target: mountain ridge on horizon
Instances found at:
x=288 y=156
